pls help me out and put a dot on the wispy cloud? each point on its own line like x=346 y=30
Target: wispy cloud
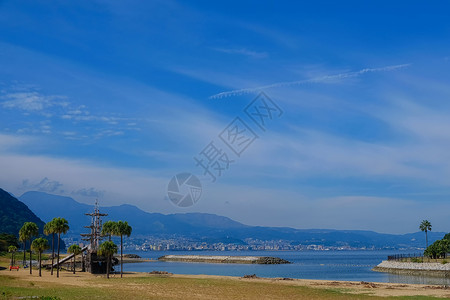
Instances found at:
x=89 y=192
x=45 y=185
x=56 y=108
x=85 y=179
x=242 y=51
x=11 y=142
x=321 y=79
x=32 y=101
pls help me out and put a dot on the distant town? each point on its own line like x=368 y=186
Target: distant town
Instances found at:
x=183 y=244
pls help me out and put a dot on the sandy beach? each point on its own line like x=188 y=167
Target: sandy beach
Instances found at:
x=144 y=285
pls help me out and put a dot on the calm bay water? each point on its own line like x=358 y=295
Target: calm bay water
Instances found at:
x=329 y=265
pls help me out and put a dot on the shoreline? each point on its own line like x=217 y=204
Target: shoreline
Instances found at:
x=224 y=259
x=409 y=268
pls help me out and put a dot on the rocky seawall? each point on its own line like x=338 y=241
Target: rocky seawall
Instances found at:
x=410 y=268
x=265 y=260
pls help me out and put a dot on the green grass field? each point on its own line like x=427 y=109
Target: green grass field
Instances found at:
x=172 y=288
x=83 y=286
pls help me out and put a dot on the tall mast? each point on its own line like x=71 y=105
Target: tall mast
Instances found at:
x=96 y=228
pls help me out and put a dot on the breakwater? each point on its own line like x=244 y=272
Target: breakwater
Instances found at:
x=265 y=260
x=412 y=268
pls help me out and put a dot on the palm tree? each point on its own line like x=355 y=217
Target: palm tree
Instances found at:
x=39 y=245
x=49 y=229
x=121 y=229
x=12 y=249
x=61 y=226
x=108 y=249
x=425 y=226
x=75 y=249
x=23 y=239
x=27 y=232
x=108 y=228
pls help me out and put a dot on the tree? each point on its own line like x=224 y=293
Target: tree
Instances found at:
x=7 y=240
x=438 y=249
x=27 y=232
x=49 y=229
x=425 y=226
x=39 y=245
x=23 y=239
x=121 y=229
x=75 y=249
x=443 y=247
x=61 y=226
x=431 y=251
x=12 y=249
x=108 y=229
x=108 y=249
x=447 y=236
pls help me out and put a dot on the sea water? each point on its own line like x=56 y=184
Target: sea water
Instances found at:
x=328 y=265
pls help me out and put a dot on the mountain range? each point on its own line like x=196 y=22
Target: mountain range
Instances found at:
x=14 y=213
x=210 y=227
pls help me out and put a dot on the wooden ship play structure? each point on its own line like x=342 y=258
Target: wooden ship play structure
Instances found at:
x=94 y=263
x=91 y=261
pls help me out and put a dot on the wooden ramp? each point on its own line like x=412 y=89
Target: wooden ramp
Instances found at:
x=69 y=257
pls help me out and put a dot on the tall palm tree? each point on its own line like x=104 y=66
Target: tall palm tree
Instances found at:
x=49 y=229
x=23 y=239
x=61 y=226
x=108 y=228
x=39 y=245
x=12 y=249
x=27 y=232
x=75 y=249
x=108 y=249
x=121 y=229
x=425 y=226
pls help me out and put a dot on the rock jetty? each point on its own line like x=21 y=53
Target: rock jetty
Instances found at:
x=413 y=268
x=265 y=260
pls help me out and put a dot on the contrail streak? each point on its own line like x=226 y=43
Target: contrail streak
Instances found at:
x=312 y=80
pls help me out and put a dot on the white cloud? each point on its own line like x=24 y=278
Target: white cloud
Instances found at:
x=32 y=101
x=322 y=79
x=242 y=51
x=56 y=108
x=89 y=192
x=280 y=207
x=11 y=142
x=44 y=185
x=141 y=187
x=271 y=206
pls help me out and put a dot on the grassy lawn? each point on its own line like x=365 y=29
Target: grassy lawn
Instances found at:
x=4 y=256
x=170 y=288
x=82 y=286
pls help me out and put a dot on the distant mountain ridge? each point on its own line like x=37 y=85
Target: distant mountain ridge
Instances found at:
x=201 y=226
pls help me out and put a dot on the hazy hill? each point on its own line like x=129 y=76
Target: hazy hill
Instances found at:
x=14 y=213
x=209 y=226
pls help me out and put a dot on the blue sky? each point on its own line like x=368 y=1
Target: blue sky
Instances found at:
x=110 y=99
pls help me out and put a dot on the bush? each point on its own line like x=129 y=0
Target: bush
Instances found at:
x=416 y=260
x=444 y=261
x=438 y=249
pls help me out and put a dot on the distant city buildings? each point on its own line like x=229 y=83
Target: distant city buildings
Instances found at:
x=184 y=244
